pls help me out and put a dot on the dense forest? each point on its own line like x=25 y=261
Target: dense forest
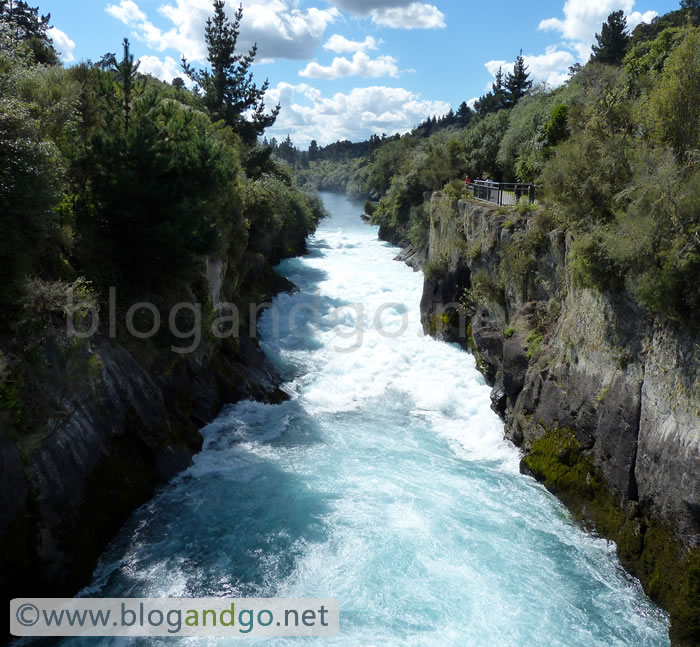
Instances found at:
x=615 y=149
x=113 y=179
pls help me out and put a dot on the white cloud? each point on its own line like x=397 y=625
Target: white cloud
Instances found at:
x=399 y=14
x=494 y=66
x=280 y=29
x=552 y=67
x=127 y=11
x=635 y=18
x=583 y=19
x=64 y=45
x=414 y=16
x=361 y=65
x=306 y=114
x=341 y=45
x=365 y=7
x=165 y=70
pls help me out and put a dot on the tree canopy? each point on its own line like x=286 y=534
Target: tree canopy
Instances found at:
x=113 y=176
x=493 y=100
x=693 y=7
x=24 y=24
x=228 y=88
x=517 y=83
x=506 y=90
x=613 y=40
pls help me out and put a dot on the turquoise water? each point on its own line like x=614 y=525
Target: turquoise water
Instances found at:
x=384 y=482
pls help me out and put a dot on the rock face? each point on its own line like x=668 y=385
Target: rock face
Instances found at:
x=618 y=386
x=67 y=488
x=413 y=257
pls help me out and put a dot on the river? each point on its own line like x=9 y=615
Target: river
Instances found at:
x=384 y=482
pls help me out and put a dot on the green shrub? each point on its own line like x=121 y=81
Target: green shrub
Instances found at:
x=534 y=345
x=524 y=206
x=557 y=127
x=482 y=141
x=522 y=151
x=436 y=267
x=487 y=289
x=30 y=189
x=674 y=108
x=419 y=230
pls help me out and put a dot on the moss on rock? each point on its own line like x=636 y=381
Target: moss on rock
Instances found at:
x=669 y=573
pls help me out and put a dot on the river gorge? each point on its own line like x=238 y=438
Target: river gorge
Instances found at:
x=384 y=481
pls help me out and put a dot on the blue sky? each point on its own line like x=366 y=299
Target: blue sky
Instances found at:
x=345 y=69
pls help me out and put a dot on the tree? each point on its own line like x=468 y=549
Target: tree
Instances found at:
x=159 y=192
x=493 y=100
x=30 y=172
x=25 y=25
x=464 y=114
x=517 y=83
x=127 y=77
x=482 y=142
x=575 y=69
x=674 y=107
x=228 y=88
x=556 y=129
x=313 y=150
x=693 y=8
x=613 y=40
x=287 y=151
x=24 y=20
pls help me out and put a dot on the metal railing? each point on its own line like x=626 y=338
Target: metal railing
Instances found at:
x=506 y=194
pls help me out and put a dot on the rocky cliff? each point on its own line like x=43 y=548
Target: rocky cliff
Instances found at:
x=603 y=398
x=122 y=416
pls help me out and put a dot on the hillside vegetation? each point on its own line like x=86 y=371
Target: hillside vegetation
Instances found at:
x=616 y=148
x=110 y=179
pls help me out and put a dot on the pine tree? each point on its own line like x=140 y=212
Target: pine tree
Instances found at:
x=287 y=151
x=313 y=150
x=127 y=72
x=228 y=88
x=25 y=20
x=613 y=40
x=493 y=100
x=517 y=83
x=24 y=24
x=464 y=114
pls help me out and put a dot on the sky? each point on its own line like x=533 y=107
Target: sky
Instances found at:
x=347 y=69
